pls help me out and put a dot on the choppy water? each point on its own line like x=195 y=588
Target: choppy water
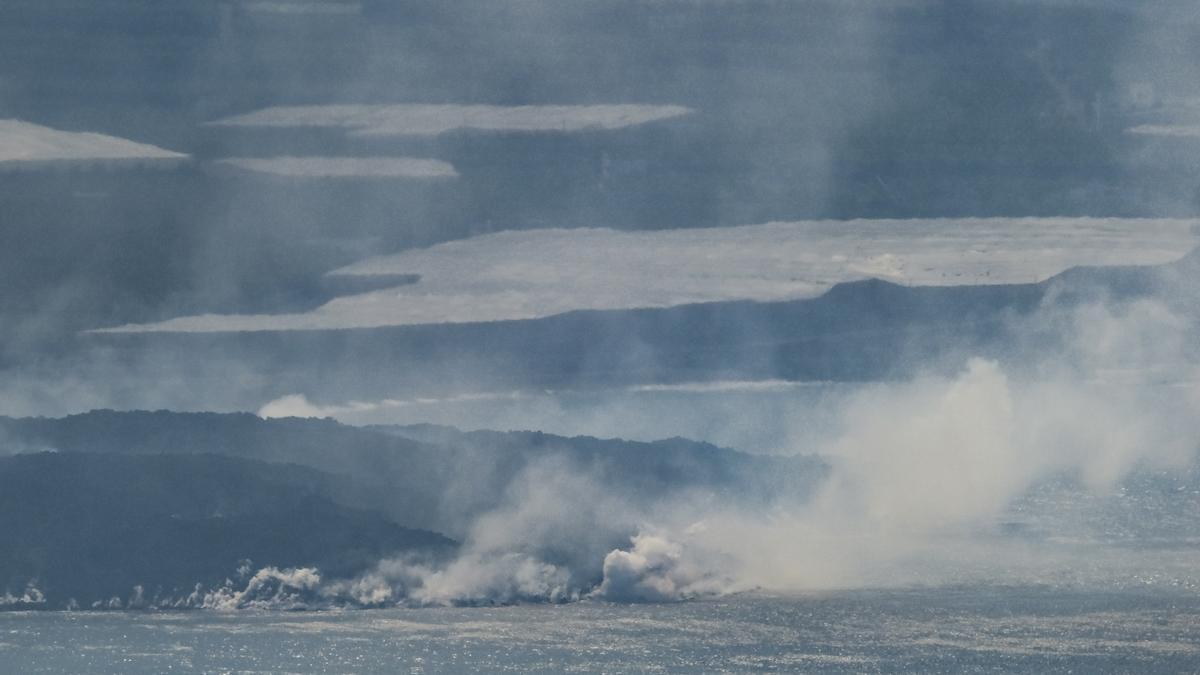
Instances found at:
x=931 y=630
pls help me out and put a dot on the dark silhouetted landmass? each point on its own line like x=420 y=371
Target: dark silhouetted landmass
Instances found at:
x=94 y=504
x=90 y=527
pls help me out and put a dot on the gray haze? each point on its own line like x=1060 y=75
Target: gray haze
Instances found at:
x=935 y=258
x=801 y=110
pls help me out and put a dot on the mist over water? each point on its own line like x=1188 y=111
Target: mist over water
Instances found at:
x=921 y=486
x=986 y=474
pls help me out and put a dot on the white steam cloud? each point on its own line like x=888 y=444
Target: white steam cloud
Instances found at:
x=923 y=476
x=269 y=588
x=30 y=596
x=924 y=473
x=656 y=569
x=539 y=545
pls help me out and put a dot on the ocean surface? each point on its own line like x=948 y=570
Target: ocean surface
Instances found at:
x=929 y=630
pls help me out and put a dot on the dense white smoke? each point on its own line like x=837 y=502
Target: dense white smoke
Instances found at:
x=31 y=595
x=922 y=477
x=929 y=469
x=471 y=579
x=543 y=543
x=923 y=474
x=269 y=588
x=656 y=569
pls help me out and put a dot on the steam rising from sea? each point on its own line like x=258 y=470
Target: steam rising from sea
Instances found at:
x=926 y=476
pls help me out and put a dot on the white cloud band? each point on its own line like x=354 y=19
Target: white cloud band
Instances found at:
x=22 y=143
x=537 y=273
x=416 y=119
x=343 y=167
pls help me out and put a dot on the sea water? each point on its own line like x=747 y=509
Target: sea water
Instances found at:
x=928 y=630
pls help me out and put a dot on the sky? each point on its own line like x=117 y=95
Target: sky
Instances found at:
x=276 y=171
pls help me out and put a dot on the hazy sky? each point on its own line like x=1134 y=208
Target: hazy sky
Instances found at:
x=219 y=160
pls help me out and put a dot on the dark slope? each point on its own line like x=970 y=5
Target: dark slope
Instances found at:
x=1177 y=284
x=92 y=526
x=378 y=470
x=634 y=468
x=440 y=482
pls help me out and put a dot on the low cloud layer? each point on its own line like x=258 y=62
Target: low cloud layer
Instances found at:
x=303 y=7
x=343 y=167
x=531 y=274
x=761 y=417
x=22 y=143
x=1186 y=131
x=431 y=120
